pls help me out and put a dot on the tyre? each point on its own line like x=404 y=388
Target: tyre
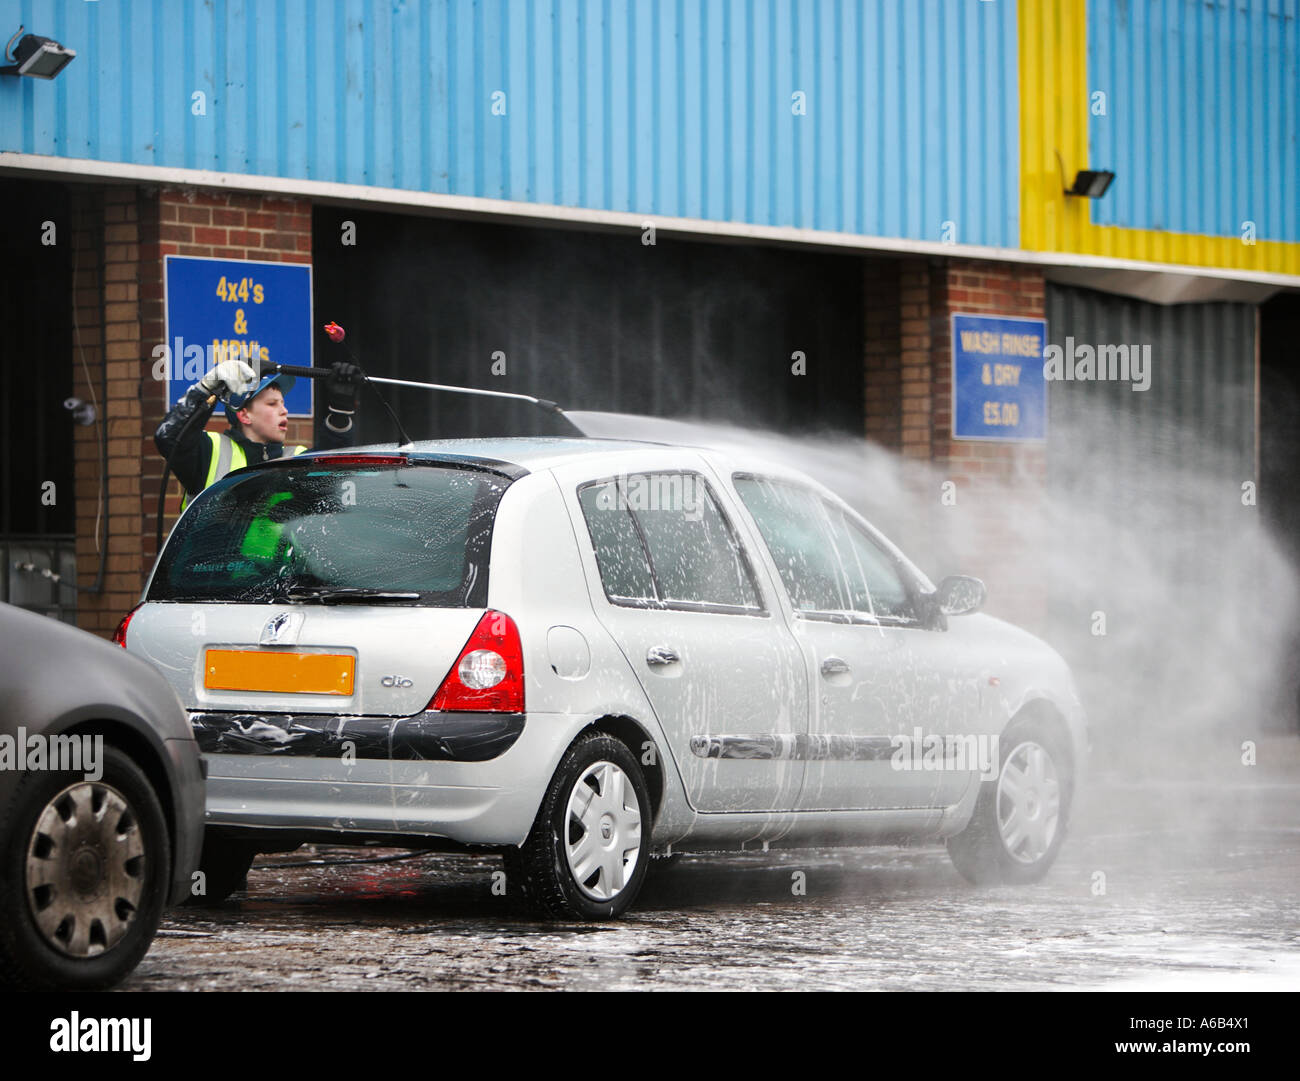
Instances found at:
x=1020 y=818
x=84 y=873
x=224 y=864
x=589 y=847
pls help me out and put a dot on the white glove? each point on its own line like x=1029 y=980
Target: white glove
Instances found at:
x=232 y=375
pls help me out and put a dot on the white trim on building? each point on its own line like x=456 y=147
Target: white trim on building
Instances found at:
x=1158 y=282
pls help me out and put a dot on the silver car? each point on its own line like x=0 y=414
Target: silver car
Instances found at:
x=582 y=653
x=101 y=805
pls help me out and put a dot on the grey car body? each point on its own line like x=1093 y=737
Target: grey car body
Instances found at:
x=754 y=723
x=56 y=680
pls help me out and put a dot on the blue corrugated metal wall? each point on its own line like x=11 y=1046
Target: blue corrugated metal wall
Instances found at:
x=664 y=107
x=1202 y=122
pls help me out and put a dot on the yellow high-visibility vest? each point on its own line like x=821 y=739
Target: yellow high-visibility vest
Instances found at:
x=226 y=455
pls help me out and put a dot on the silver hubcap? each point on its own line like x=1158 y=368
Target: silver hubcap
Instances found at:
x=85 y=869
x=1029 y=802
x=603 y=841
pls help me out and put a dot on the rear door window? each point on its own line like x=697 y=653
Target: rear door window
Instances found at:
x=405 y=528
x=661 y=540
x=624 y=568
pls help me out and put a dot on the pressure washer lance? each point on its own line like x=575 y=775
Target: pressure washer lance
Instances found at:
x=324 y=373
x=337 y=334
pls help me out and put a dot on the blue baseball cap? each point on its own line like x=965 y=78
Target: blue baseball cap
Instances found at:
x=278 y=379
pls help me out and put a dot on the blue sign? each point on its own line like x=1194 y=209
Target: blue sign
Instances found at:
x=998 y=390
x=236 y=309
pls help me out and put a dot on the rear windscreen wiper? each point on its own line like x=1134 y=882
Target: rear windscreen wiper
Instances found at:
x=345 y=595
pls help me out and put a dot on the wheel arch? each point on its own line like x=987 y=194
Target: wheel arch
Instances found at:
x=638 y=740
x=1044 y=711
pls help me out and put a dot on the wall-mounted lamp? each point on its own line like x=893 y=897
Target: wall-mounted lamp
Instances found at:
x=36 y=57
x=1088 y=183
x=1091 y=184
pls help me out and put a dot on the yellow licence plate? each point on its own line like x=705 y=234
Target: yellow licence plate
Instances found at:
x=285 y=673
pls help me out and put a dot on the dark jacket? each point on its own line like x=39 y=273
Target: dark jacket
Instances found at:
x=190 y=459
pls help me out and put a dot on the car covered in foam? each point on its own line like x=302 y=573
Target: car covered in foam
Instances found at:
x=583 y=653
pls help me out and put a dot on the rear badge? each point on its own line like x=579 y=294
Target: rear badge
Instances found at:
x=281 y=629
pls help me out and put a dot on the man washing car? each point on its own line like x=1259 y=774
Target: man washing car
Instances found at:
x=258 y=418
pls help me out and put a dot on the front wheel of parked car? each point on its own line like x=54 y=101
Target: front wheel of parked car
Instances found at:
x=84 y=873
x=587 y=853
x=1020 y=817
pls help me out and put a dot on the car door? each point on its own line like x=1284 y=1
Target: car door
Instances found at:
x=883 y=691
x=675 y=588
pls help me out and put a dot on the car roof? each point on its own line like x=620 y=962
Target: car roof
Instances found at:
x=530 y=453
x=540 y=453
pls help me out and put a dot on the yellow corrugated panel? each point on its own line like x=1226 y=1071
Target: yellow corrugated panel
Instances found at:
x=1054 y=119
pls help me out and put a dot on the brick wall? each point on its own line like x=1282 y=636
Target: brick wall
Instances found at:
x=132 y=230
x=994 y=527
x=1001 y=486
x=883 y=374
x=981 y=289
x=105 y=236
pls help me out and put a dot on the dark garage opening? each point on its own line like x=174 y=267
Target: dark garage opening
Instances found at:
x=37 y=504
x=590 y=320
x=1279 y=446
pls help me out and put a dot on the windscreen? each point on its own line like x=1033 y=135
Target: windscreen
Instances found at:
x=265 y=535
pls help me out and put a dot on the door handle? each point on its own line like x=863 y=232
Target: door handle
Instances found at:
x=658 y=656
x=835 y=666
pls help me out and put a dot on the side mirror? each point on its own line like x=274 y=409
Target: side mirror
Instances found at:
x=959 y=595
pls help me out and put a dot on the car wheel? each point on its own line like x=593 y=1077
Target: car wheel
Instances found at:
x=1020 y=817
x=84 y=873
x=224 y=864
x=587 y=853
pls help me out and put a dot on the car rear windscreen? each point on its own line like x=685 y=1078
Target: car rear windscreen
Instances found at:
x=254 y=537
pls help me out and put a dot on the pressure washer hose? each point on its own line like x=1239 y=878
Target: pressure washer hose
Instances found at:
x=205 y=412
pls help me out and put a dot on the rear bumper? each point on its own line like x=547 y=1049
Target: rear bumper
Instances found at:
x=428 y=736
x=445 y=793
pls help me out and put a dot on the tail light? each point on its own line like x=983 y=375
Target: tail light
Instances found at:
x=119 y=635
x=488 y=675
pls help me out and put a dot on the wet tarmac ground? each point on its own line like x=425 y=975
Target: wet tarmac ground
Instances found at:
x=1161 y=885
